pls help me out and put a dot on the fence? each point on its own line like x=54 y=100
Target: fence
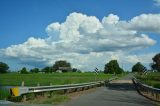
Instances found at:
x=147 y=91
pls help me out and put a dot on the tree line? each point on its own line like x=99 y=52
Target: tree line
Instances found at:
x=111 y=67
x=59 y=66
x=155 y=66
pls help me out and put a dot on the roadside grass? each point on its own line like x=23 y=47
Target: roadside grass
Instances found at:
x=152 y=79
x=55 y=99
x=4 y=94
x=15 y=79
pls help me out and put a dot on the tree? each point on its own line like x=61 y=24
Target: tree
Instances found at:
x=112 y=67
x=62 y=65
x=47 y=69
x=24 y=71
x=156 y=62
x=74 y=70
x=34 y=70
x=3 y=67
x=138 y=67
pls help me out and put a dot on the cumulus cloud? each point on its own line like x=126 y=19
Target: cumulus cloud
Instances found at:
x=145 y=23
x=86 y=41
x=110 y=19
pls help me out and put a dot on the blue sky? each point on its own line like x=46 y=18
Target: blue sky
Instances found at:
x=24 y=19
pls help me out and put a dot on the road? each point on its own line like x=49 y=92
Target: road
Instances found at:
x=118 y=93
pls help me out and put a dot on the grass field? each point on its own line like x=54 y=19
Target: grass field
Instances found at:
x=152 y=79
x=4 y=93
x=15 y=79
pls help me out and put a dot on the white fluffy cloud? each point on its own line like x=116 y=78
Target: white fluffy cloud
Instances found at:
x=110 y=19
x=86 y=41
x=146 y=23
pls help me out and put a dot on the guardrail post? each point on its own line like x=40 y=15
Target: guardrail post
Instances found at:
x=88 y=87
x=24 y=98
x=152 y=93
x=51 y=93
x=65 y=91
x=75 y=89
x=157 y=96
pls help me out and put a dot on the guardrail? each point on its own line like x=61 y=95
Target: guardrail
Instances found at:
x=18 y=91
x=23 y=91
x=147 y=91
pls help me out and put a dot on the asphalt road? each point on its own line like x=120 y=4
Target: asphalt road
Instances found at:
x=118 y=93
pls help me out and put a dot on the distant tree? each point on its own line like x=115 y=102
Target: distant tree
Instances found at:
x=34 y=70
x=24 y=71
x=3 y=67
x=74 y=70
x=47 y=69
x=156 y=62
x=112 y=67
x=79 y=71
x=62 y=65
x=138 y=67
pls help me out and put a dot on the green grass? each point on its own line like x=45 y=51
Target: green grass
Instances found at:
x=152 y=79
x=4 y=94
x=15 y=79
x=55 y=99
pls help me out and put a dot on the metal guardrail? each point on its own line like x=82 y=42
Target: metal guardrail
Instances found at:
x=18 y=91
x=146 y=90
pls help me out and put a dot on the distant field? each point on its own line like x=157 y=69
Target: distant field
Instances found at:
x=15 y=79
x=152 y=79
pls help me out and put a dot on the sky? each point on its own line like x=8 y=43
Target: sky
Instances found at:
x=86 y=33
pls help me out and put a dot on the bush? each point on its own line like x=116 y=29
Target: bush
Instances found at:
x=24 y=71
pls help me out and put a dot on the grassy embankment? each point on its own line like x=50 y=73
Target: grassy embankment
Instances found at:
x=152 y=79
x=4 y=94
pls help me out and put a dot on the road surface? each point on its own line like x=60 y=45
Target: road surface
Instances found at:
x=118 y=93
